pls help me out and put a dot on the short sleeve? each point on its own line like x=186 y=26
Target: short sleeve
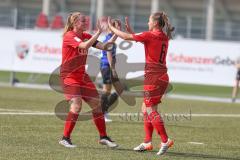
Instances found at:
x=141 y=37
x=87 y=36
x=71 y=40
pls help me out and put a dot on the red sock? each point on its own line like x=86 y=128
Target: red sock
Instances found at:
x=148 y=128
x=99 y=121
x=70 y=123
x=158 y=124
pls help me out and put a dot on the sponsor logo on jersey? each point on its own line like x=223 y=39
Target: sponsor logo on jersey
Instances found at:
x=77 y=39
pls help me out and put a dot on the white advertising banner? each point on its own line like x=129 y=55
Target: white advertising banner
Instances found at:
x=6 y=49
x=188 y=61
x=203 y=62
x=31 y=51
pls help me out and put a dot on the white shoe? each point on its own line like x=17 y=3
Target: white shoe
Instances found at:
x=107 y=141
x=108 y=120
x=164 y=147
x=144 y=147
x=66 y=142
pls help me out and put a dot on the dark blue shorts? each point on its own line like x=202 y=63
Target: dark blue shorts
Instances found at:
x=106 y=75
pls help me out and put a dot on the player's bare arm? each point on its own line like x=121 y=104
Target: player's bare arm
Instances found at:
x=93 y=39
x=238 y=65
x=104 y=46
x=121 y=34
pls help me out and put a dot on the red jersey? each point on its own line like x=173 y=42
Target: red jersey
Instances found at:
x=156 y=77
x=156 y=46
x=73 y=58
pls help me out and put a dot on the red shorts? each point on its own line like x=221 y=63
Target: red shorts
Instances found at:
x=82 y=87
x=155 y=85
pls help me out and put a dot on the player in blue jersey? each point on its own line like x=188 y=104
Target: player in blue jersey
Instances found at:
x=107 y=66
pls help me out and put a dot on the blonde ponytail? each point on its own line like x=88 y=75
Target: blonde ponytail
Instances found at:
x=72 y=18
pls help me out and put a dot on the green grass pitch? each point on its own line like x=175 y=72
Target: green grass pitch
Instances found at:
x=36 y=137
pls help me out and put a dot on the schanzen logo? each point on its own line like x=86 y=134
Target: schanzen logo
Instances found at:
x=22 y=49
x=216 y=60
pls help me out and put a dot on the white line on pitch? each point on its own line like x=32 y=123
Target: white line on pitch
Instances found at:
x=28 y=113
x=24 y=112
x=196 y=143
x=179 y=114
x=15 y=110
x=216 y=115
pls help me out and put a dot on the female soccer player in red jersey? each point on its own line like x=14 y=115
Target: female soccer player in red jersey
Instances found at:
x=155 y=78
x=76 y=83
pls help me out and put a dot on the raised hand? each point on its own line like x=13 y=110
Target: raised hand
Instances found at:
x=109 y=22
x=118 y=24
x=127 y=26
x=99 y=26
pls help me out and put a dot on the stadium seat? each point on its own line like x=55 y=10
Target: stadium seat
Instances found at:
x=57 y=22
x=42 y=21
